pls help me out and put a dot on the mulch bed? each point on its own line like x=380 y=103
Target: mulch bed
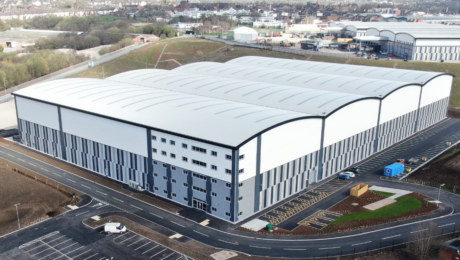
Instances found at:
x=346 y=207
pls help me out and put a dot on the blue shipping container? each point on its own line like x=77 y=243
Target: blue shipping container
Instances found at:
x=393 y=170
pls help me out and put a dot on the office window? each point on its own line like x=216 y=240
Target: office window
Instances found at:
x=154 y=162
x=173 y=168
x=174 y=194
x=154 y=138
x=163 y=140
x=198 y=149
x=241 y=213
x=240 y=185
x=173 y=156
x=154 y=150
x=199 y=189
x=184 y=146
x=185 y=185
x=163 y=153
x=228 y=171
x=199 y=163
x=214 y=180
x=213 y=153
x=184 y=159
x=227 y=213
x=199 y=176
x=228 y=199
x=242 y=157
x=229 y=185
x=173 y=180
x=186 y=199
x=165 y=165
x=185 y=172
x=214 y=194
x=165 y=192
x=214 y=209
x=156 y=188
x=165 y=178
x=171 y=142
x=241 y=171
x=154 y=174
x=240 y=198
x=228 y=157
x=214 y=167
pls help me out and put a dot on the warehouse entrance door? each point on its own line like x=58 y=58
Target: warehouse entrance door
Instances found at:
x=199 y=204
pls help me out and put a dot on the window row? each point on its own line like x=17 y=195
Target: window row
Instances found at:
x=185 y=159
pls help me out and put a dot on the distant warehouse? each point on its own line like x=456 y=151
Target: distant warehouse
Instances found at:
x=200 y=137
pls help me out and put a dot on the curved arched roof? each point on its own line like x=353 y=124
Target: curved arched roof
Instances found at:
x=267 y=94
x=321 y=81
x=401 y=75
x=212 y=120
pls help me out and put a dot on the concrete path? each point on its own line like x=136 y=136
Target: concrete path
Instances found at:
x=398 y=193
x=380 y=204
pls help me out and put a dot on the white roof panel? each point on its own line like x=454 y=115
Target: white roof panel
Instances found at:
x=217 y=121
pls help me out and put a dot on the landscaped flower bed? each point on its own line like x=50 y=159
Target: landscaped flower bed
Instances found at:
x=346 y=206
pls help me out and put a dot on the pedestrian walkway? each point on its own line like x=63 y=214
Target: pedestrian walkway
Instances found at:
x=398 y=193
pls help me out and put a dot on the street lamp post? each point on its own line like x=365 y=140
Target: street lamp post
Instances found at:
x=439 y=194
x=17 y=214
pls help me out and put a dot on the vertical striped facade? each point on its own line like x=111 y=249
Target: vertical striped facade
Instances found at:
x=432 y=113
x=396 y=130
x=287 y=179
x=40 y=137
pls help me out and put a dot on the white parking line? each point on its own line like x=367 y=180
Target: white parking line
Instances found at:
x=177 y=224
x=101 y=193
x=135 y=207
x=127 y=239
x=135 y=241
x=419 y=230
x=56 y=174
x=144 y=245
x=81 y=213
x=391 y=237
x=68 y=246
x=362 y=243
x=90 y=256
x=44 y=169
x=150 y=249
x=261 y=247
x=156 y=215
x=50 y=254
x=168 y=255
x=81 y=254
x=117 y=199
x=447 y=224
x=158 y=253
x=200 y=233
x=74 y=250
x=71 y=180
x=325 y=248
x=122 y=235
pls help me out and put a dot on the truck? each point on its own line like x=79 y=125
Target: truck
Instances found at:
x=393 y=169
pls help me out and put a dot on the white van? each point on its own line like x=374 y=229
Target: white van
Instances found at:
x=115 y=228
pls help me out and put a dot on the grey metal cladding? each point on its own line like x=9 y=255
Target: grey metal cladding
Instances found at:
x=432 y=113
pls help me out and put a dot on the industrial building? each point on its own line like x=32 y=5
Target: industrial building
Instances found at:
x=414 y=41
x=200 y=137
x=244 y=34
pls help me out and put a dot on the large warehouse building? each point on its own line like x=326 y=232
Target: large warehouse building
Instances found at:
x=415 y=41
x=199 y=137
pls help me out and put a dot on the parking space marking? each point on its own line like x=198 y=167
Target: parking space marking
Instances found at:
x=144 y=245
x=168 y=255
x=90 y=256
x=81 y=254
x=135 y=242
x=127 y=239
x=158 y=252
x=122 y=235
x=151 y=249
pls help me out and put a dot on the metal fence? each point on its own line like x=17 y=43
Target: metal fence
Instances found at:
x=283 y=49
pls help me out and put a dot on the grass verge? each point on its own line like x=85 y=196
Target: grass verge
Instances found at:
x=385 y=194
x=403 y=205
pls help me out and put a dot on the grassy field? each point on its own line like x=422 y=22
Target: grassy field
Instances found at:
x=187 y=50
x=403 y=205
x=385 y=194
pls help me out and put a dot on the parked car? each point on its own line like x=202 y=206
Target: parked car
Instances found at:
x=344 y=177
x=352 y=175
x=391 y=55
x=401 y=161
x=352 y=169
x=115 y=228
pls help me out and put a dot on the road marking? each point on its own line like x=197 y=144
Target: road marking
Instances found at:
x=32 y=164
x=233 y=243
x=81 y=213
x=158 y=253
x=156 y=215
x=44 y=169
x=122 y=235
x=127 y=239
x=177 y=224
x=50 y=254
x=200 y=233
x=135 y=241
x=10 y=155
x=91 y=256
x=294 y=249
x=447 y=224
x=20 y=159
x=168 y=255
x=325 y=248
x=144 y=245
x=362 y=243
x=419 y=230
x=101 y=193
x=151 y=249
x=135 y=207
x=117 y=199
x=85 y=186
x=56 y=174
x=81 y=254
x=71 y=180
x=391 y=237
x=261 y=247
x=74 y=250
x=1 y=152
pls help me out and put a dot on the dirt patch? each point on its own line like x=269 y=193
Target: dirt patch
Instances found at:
x=346 y=206
x=39 y=196
x=88 y=176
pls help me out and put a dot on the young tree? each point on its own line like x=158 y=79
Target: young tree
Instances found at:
x=425 y=241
